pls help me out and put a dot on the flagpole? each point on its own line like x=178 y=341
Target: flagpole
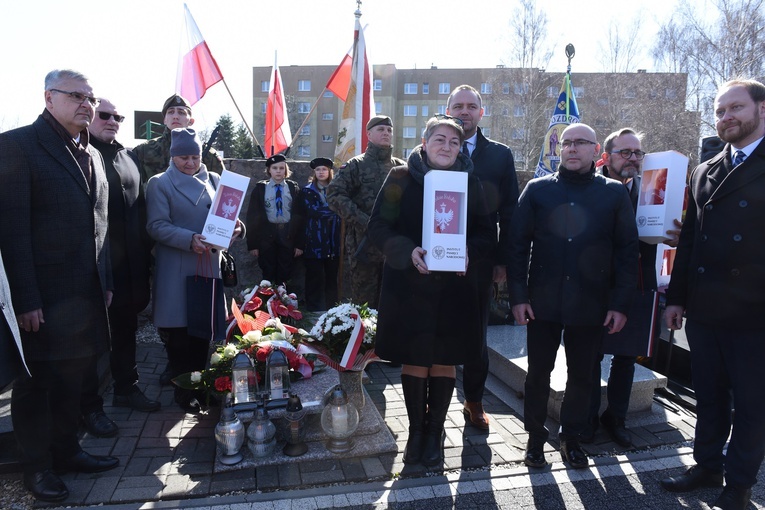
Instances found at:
x=570 y=52
x=242 y=116
x=273 y=107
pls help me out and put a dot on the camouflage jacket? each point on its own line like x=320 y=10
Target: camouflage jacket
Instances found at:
x=154 y=157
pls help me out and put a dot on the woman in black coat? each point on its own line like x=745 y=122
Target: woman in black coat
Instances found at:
x=427 y=320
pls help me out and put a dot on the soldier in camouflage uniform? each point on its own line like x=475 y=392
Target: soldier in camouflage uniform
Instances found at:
x=154 y=155
x=351 y=194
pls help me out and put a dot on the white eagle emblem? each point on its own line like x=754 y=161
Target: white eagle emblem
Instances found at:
x=229 y=208
x=443 y=217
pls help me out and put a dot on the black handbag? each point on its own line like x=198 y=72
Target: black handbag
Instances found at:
x=228 y=269
x=205 y=303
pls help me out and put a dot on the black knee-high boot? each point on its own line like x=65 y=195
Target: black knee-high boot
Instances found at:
x=440 y=391
x=415 y=391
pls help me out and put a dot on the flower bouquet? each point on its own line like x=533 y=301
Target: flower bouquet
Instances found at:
x=343 y=337
x=256 y=328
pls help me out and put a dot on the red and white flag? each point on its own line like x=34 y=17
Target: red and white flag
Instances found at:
x=278 y=136
x=352 y=82
x=197 y=69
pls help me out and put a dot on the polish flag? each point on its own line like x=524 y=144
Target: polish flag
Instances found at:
x=278 y=136
x=354 y=75
x=197 y=69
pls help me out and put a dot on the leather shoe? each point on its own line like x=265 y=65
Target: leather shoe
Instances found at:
x=535 y=453
x=46 y=486
x=694 y=478
x=571 y=452
x=616 y=429
x=83 y=462
x=136 y=400
x=98 y=424
x=733 y=498
x=475 y=415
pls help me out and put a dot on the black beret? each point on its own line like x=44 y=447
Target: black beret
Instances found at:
x=276 y=158
x=175 y=100
x=379 y=120
x=322 y=162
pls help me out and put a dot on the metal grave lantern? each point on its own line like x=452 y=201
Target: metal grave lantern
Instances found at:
x=261 y=434
x=229 y=436
x=277 y=375
x=244 y=380
x=339 y=420
x=294 y=417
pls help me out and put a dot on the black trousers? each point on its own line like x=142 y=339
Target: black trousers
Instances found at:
x=186 y=353
x=45 y=410
x=726 y=364
x=123 y=323
x=320 y=283
x=582 y=346
x=475 y=372
x=276 y=254
x=619 y=386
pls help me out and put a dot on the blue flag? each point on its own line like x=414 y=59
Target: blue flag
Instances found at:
x=566 y=112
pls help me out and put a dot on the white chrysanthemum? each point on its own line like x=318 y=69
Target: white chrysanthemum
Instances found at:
x=196 y=377
x=215 y=358
x=230 y=351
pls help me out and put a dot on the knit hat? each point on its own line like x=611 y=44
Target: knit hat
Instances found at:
x=378 y=120
x=185 y=142
x=175 y=101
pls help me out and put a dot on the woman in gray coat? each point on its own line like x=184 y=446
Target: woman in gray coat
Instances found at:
x=177 y=203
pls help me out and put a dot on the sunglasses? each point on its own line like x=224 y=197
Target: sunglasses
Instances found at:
x=441 y=116
x=107 y=116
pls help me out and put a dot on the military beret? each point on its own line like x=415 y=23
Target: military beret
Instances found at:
x=185 y=142
x=276 y=158
x=321 y=162
x=379 y=120
x=175 y=100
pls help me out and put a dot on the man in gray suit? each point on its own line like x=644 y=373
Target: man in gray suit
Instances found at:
x=53 y=226
x=11 y=353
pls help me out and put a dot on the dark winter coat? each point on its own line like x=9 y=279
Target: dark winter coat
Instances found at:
x=719 y=271
x=584 y=260
x=426 y=319
x=322 y=225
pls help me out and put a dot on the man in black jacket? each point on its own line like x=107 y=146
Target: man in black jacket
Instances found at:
x=493 y=164
x=719 y=282
x=578 y=280
x=130 y=255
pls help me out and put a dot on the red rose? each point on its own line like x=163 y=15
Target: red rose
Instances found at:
x=223 y=383
x=262 y=354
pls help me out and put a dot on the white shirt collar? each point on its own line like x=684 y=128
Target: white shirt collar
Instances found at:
x=748 y=149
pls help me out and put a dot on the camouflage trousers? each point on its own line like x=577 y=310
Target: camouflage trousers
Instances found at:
x=365 y=282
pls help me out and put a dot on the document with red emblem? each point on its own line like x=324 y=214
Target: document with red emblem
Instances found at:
x=444 y=220
x=227 y=203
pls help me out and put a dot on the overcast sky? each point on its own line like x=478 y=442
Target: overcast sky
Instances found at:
x=129 y=48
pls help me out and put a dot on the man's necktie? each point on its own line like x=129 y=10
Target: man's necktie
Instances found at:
x=465 y=149
x=278 y=200
x=738 y=158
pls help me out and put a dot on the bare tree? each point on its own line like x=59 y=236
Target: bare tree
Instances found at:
x=622 y=46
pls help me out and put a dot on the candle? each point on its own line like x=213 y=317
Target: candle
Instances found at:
x=276 y=384
x=340 y=420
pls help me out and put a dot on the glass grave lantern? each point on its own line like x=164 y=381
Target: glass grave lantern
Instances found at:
x=339 y=420
x=277 y=376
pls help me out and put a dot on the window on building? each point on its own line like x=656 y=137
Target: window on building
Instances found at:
x=406 y=152
x=517 y=134
x=552 y=91
x=630 y=93
x=578 y=91
x=327 y=138
x=486 y=132
x=426 y=88
x=304 y=151
x=520 y=88
x=485 y=88
x=410 y=110
x=410 y=132
x=304 y=85
x=505 y=88
x=442 y=109
x=327 y=116
x=519 y=111
x=377 y=85
x=410 y=88
x=444 y=88
x=424 y=110
x=378 y=107
x=306 y=130
x=505 y=111
x=603 y=101
x=264 y=85
x=328 y=93
x=670 y=94
x=487 y=110
x=304 y=107
x=263 y=108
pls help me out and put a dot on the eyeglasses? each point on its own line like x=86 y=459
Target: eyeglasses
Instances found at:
x=441 y=116
x=107 y=116
x=626 y=154
x=79 y=98
x=579 y=144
